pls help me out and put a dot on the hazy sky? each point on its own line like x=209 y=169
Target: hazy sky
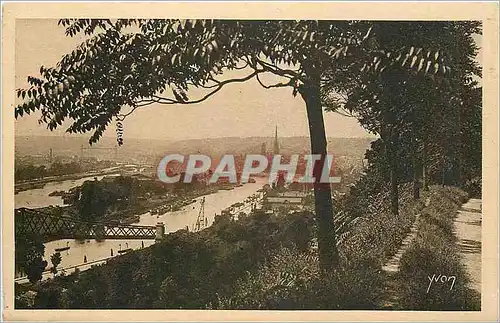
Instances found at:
x=241 y=109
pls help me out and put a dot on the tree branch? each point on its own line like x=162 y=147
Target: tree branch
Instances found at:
x=344 y=113
x=289 y=83
x=242 y=67
x=122 y=117
x=291 y=74
x=266 y=67
x=217 y=88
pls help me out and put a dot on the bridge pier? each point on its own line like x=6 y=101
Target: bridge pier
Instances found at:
x=160 y=231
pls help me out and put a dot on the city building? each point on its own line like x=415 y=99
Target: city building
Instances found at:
x=276 y=145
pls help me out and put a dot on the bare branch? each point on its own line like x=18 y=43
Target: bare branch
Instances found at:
x=341 y=111
x=345 y=113
x=122 y=117
x=291 y=74
x=242 y=67
x=217 y=88
x=205 y=86
x=290 y=82
x=266 y=67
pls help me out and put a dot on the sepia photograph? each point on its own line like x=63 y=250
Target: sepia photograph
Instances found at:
x=248 y=164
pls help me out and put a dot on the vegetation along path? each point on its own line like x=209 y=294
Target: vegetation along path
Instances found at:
x=468 y=231
x=391 y=267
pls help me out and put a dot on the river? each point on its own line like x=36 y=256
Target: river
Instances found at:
x=93 y=251
x=39 y=197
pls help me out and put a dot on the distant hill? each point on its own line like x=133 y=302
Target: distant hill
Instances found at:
x=134 y=149
x=288 y=145
x=71 y=146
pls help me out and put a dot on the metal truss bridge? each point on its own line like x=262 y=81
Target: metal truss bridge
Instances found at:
x=53 y=227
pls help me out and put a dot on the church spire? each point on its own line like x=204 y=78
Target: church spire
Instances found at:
x=276 y=147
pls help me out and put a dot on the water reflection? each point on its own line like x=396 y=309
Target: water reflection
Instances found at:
x=39 y=197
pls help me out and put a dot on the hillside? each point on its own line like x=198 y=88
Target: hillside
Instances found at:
x=136 y=148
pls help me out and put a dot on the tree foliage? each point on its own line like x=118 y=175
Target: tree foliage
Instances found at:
x=55 y=259
x=29 y=251
x=421 y=120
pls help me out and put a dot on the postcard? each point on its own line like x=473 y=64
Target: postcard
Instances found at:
x=250 y=161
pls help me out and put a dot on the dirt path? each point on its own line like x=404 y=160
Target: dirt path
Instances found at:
x=468 y=233
x=390 y=297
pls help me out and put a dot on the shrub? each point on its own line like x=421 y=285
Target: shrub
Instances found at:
x=355 y=285
x=434 y=253
x=290 y=280
x=284 y=282
x=378 y=235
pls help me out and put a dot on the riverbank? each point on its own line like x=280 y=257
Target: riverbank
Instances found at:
x=21 y=186
x=173 y=200
x=158 y=205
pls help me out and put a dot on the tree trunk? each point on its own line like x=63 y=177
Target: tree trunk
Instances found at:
x=388 y=137
x=393 y=144
x=327 y=244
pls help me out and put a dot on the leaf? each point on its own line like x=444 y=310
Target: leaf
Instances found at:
x=214 y=45
x=368 y=33
x=421 y=64
x=436 y=68
x=428 y=66
x=405 y=60
x=311 y=37
x=304 y=36
x=337 y=52
x=413 y=61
